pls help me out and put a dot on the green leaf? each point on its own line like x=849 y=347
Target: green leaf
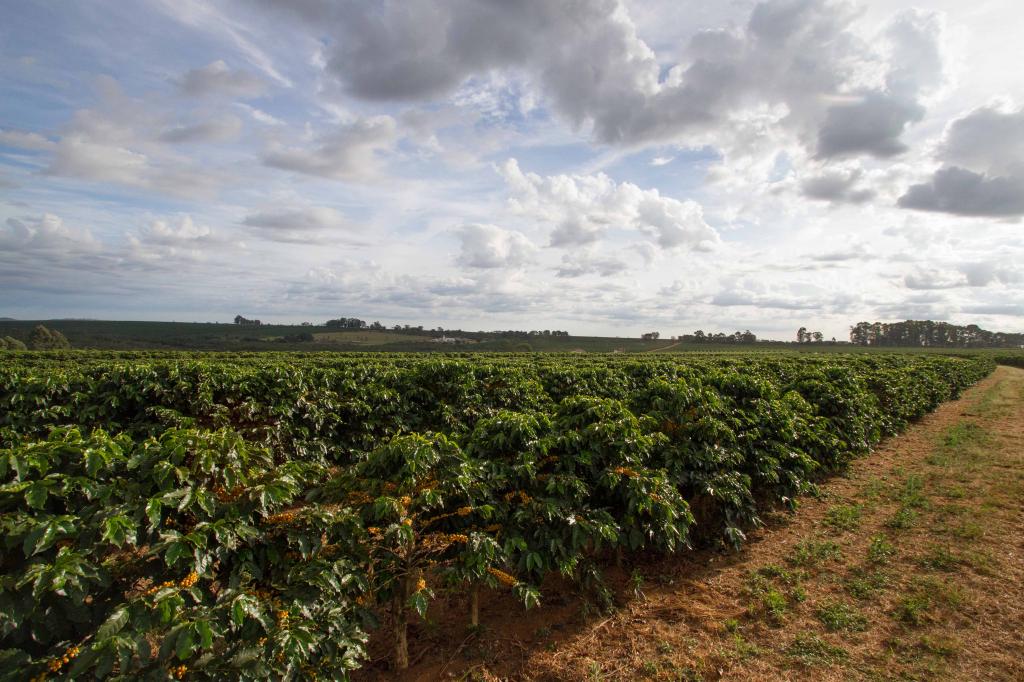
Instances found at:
x=419 y=602
x=44 y=535
x=94 y=461
x=114 y=624
x=186 y=644
x=153 y=511
x=205 y=634
x=246 y=656
x=36 y=494
x=174 y=552
x=119 y=529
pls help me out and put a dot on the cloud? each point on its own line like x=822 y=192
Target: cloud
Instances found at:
x=259 y=115
x=796 y=296
x=917 y=61
x=931 y=278
x=310 y=224
x=46 y=235
x=119 y=141
x=43 y=254
x=963 y=192
x=583 y=208
x=349 y=152
x=855 y=251
x=594 y=69
x=221 y=129
x=585 y=263
x=166 y=244
x=872 y=121
x=985 y=273
x=217 y=79
x=976 y=274
x=873 y=125
x=837 y=185
x=983 y=171
x=24 y=140
x=489 y=246
x=989 y=138
x=1009 y=309
x=78 y=156
x=187 y=231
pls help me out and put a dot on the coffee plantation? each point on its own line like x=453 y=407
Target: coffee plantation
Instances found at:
x=255 y=516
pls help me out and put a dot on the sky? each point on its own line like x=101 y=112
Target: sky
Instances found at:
x=605 y=167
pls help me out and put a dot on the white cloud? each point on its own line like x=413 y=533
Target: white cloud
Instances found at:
x=838 y=185
x=583 y=208
x=166 y=243
x=121 y=142
x=44 y=235
x=587 y=263
x=305 y=224
x=24 y=140
x=79 y=156
x=489 y=246
x=593 y=67
x=259 y=115
x=983 y=167
x=348 y=152
x=220 y=129
x=186 y=231
x=217 y=79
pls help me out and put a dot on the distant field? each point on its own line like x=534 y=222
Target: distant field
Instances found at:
x=200 y=336
x=368 y=338
x=120 y=335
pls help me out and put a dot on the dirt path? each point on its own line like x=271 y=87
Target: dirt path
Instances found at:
x=910 y=567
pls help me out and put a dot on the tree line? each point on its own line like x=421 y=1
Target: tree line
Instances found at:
x=930 y=334
x=700 y=336
x=41 y=338
x=805 y=336
x=356 y=323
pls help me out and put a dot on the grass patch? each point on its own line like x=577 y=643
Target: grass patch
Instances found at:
x=913 y=609
x=809 y=553
x=955 y=492
x=772 y=589
x=911 y=493
x=964 y=434
x=790 y=577
x=939 y=645
x=961 y=444
x=742 y=649
x=769 y=602
x=927 y=594
x=880 y=550
x=940 y=558
x=873 y=489
x=967 y=530
x=843 y=517
x=904 y=518
x=812 y=650
x=864 y=586
x=837 y=616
